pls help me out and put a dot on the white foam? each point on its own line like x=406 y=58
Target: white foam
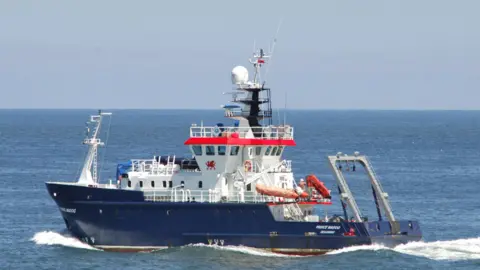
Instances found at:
x=244 y=249
x=55 y=238
x=65 y=239
x=357 y=248
x=455 y=250
x=459 y=249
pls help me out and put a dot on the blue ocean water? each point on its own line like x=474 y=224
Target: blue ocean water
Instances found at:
x=427 y=161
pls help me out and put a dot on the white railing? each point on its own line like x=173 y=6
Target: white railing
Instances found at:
x=269 y=132
x=288 y=165
x=282 y=166
x=260 y=172
x=204 y=196
x=154 y=167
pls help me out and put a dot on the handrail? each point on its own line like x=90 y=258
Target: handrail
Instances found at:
x=259 y=175
x=154 y=167
x=187 y=195
x=268 y=132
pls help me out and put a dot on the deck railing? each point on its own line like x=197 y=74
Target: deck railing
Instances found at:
x=154 y=167
x=269 y=132
x=203 y=196
x=233 y=113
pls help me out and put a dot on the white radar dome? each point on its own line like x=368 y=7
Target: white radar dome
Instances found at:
x=239 y=75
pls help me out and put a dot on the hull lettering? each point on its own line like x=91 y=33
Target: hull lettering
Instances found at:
x=68 y=210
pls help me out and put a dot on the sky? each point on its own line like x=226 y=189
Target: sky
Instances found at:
x=179 y=54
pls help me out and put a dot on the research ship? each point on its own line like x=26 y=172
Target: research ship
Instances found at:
x=235 y=190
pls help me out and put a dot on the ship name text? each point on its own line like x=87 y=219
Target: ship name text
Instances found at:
x=68 y=210
x=327 y=227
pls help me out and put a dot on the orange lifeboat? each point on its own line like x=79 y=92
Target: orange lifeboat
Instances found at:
x=279 y=192
x=312 y=181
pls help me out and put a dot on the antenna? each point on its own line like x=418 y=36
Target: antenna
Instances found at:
x=278 y=117
x=285 y=110
x=275 y=38
x=272 y=49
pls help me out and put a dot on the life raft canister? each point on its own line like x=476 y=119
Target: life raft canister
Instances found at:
x=248 y=166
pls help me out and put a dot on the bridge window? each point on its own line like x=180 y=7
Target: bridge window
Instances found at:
x=210 y=150
x=249 y=187
x=267 y=152
x=170 y=184
x=182 y=183
x=200 y=184
x=258 y=150
x=221 y=150
x=164 y=184
x=274 y=151
x=141 y=183
x=197 y=150
x=129 y=183
x=279 y=151
x=234 y=150
x=152 y=183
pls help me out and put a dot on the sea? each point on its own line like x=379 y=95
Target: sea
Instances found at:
x=428 y=163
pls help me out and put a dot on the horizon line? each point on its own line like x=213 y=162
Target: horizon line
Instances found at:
x=273 y=109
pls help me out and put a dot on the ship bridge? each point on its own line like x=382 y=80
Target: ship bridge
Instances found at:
x=220 y=149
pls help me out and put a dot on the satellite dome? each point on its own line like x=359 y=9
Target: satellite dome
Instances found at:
x=239 y=75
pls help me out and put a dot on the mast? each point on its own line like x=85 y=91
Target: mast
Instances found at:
x=256 y=107
x=89 y=173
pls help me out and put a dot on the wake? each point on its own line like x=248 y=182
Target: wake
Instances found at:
x=60 y=239
x=454 y=250
x=65 y=239
x=244 y=250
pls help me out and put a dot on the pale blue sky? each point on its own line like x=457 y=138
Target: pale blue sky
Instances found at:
x=179 y=54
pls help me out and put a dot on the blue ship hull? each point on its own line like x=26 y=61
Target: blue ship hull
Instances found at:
x=115 y=219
